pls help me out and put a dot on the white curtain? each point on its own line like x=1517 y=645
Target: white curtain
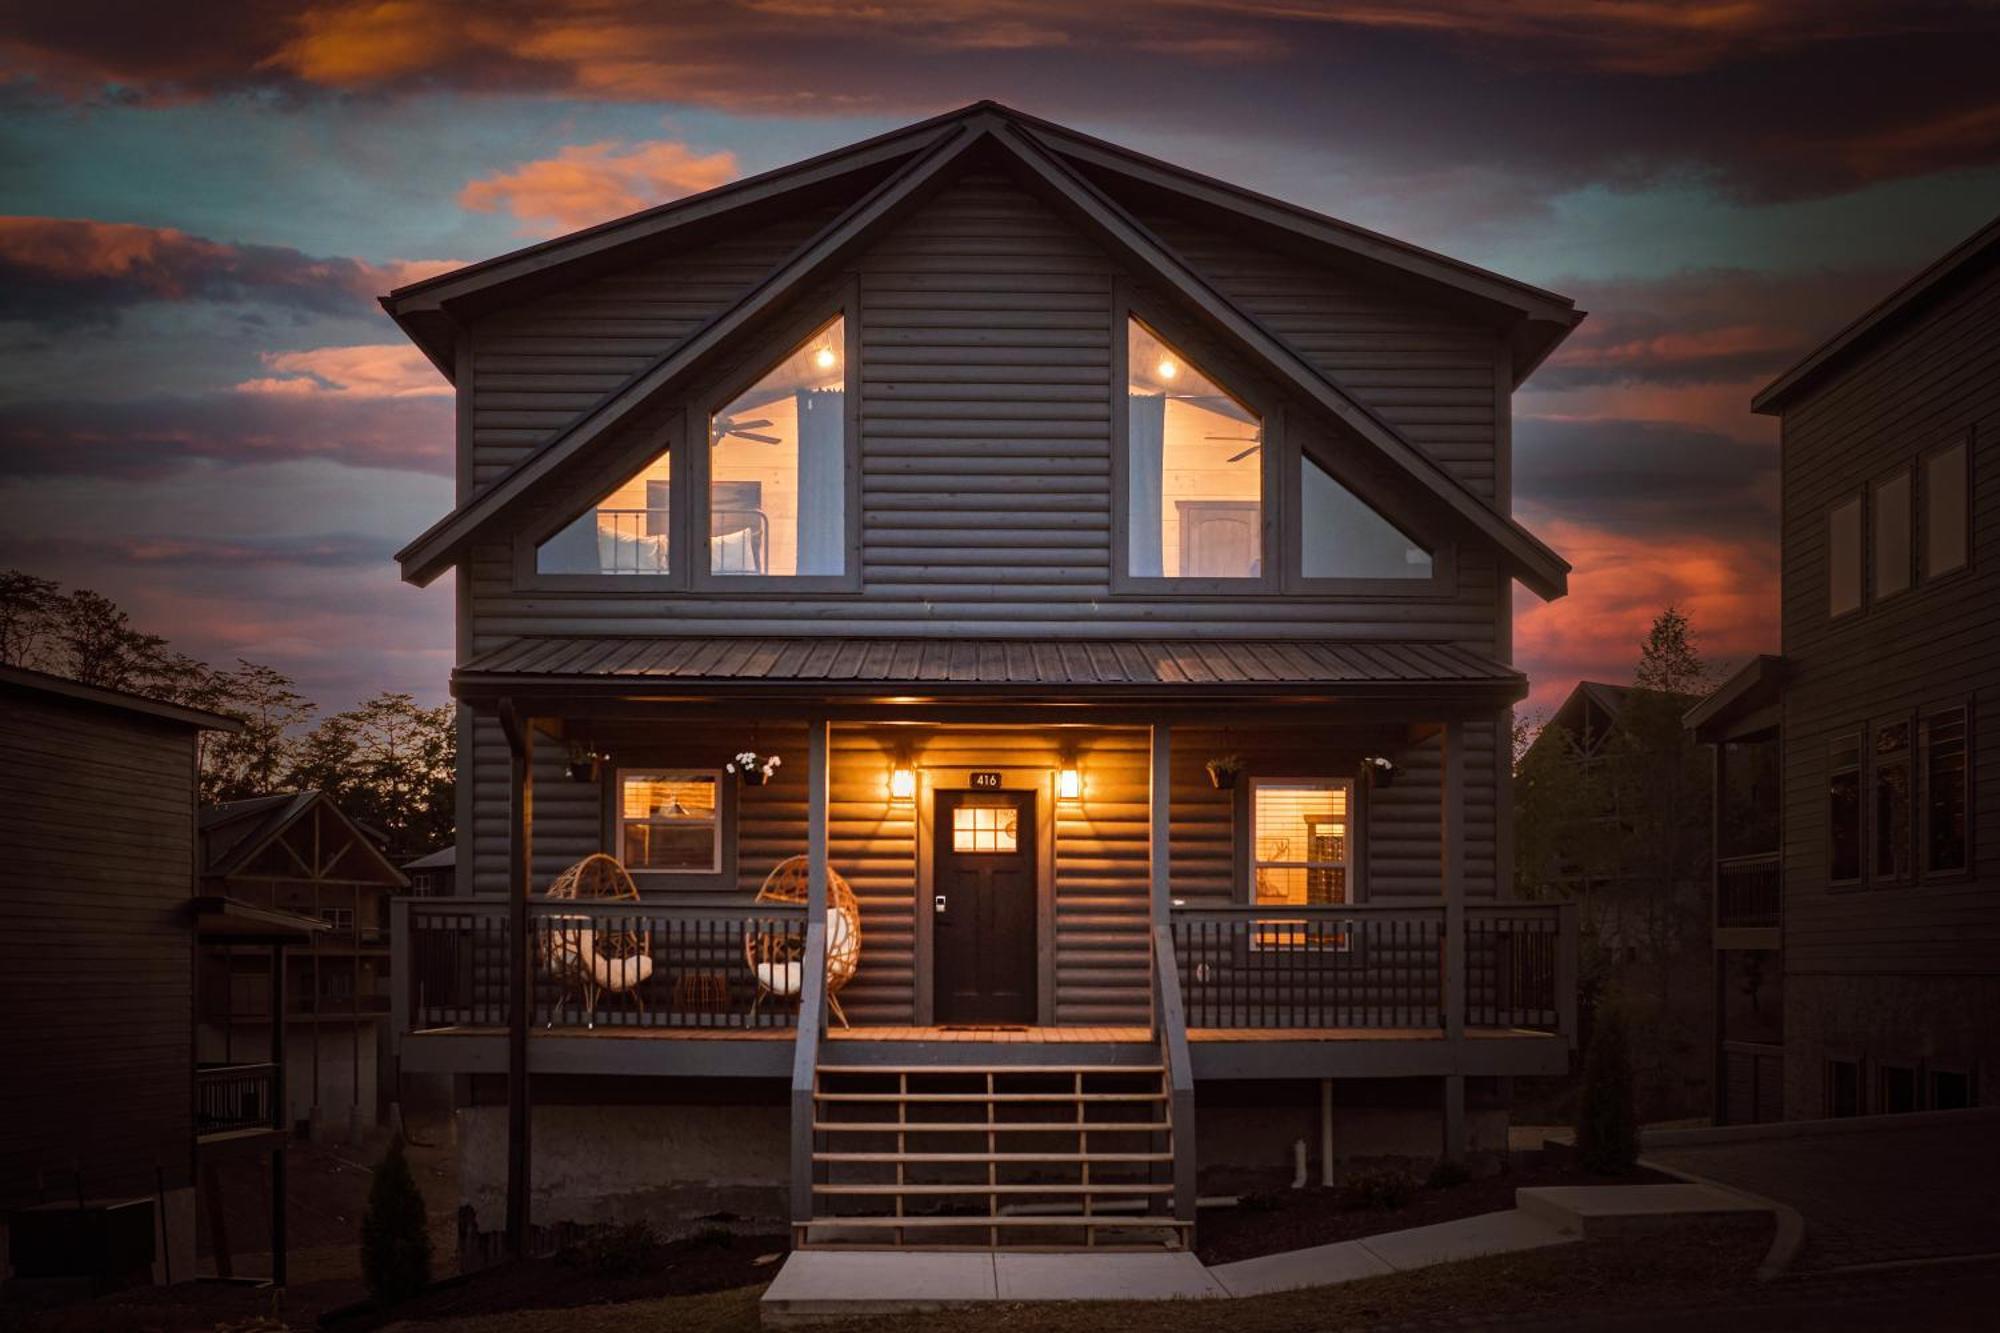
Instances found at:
x=1145 y=451
x=822 y=481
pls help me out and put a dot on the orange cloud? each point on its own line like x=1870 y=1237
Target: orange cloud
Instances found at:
x=1728 y=590
x=588 y=183
x=390 y=370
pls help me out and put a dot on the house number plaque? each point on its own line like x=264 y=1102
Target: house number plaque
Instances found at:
x=986 y=781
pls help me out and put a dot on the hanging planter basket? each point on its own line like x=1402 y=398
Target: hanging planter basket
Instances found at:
x=1223 y=772
x=583 y=765
x=754 y=769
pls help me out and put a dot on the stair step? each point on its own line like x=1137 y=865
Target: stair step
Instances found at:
x=1063 y=1097
x=993 y=1157
x=1075 y=1190
x=999 y=1070
x=988 y=1127
x=1106 y=1221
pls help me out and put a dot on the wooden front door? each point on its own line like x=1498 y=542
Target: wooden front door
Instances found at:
x=984 y=907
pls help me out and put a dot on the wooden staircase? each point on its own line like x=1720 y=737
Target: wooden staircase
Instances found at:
x=981 y=1156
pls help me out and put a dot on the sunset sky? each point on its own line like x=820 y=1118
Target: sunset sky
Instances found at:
x=204 y=415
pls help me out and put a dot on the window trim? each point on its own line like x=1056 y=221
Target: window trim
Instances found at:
x=1872 y=590
x=1859 y=499
x=1248 y=390
x=723 y=872
x=701 y=409
x=1871 y=764
x=1922 y=822
x=1920 y=530
x=1271 y=936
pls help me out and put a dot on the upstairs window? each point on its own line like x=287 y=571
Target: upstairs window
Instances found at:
x=1843 y=557
x=1946 y=786
x=1194 y=468
x=1340 y=537
x=1843 y=810
x=777 y=467
x=1892 y=535
x=1892 y=801
x=624 y=533
x=1945 y=493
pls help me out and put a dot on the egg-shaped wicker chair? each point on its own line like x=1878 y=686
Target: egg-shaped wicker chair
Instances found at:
x=775 y=954
x=585 y=960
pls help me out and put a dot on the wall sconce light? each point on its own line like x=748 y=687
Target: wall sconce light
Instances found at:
x=903 y=785
x=1381 y=772
x=1069 y=785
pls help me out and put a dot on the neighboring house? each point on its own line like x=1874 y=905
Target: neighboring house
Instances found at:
x=434 y=876
x=996 y=479
x=1645 y=926
x=1857 y=929
x=110 y=1119
x=297 y=852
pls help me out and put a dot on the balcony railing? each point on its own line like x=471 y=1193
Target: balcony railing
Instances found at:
x=230 y=1097
x=1366 y=965
x=1749 y=891
x=610 y=964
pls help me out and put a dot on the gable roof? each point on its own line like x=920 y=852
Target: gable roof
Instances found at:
x=438 y=548
x=234 y=833
x=1937 y=278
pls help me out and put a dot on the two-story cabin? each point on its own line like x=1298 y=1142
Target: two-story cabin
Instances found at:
x=1119 y=562
x=1856 y=929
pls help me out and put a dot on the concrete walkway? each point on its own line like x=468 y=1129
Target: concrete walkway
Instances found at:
x=826 y=1284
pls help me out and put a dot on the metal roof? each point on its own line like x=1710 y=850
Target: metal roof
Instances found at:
x=25 y=681
x=1082 y=665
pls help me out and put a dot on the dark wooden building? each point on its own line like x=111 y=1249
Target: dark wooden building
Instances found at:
x=1857 y=920
x=1120 y=563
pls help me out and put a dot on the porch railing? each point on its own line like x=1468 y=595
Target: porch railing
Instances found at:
x=1368 y=965
x=231 y=1097
x=612 y=964
x=1749 y=891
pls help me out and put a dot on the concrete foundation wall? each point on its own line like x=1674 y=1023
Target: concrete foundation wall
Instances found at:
x=667 y=1165
x=1912 y=1021
x=1244 y=1133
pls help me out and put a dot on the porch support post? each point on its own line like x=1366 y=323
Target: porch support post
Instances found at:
x=281 y=1113
x=812 y=985
x=1159 y=843
x=1451 y=837
x=816 y=801
x=520 y=883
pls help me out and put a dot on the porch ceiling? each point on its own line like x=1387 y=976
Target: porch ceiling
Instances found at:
x=919 y=670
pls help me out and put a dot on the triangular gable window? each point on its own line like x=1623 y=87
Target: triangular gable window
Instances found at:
x=1194 y=469
x=1340 y=537
x=624 y=533
x=777 y=466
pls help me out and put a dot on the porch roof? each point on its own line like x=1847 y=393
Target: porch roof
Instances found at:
x=911 y=669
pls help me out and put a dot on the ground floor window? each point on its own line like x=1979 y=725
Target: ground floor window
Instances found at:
x=1843 y=1087
x=670 y=822
x=1300 y=854
x=1950 y=1090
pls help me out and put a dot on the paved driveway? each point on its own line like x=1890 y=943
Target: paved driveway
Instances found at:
x=1874 y=1195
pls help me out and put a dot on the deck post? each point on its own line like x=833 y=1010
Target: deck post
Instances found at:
x=1451 y=837
x=812 y=987
x=1159 y=843
x=520 y=965
x=280 y=1113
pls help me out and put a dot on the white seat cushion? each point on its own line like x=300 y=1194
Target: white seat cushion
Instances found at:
x=838 y=930
x=781 y=978
x=620 y=974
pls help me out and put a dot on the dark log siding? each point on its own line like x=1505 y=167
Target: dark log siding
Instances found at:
x=986 y=326
x=1935 y=382
x=96 y=951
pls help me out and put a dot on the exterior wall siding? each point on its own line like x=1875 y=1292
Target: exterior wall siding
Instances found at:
x=1935 y=382
x=97 y=814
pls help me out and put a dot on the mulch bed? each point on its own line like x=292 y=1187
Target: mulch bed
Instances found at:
x=691 y=1266
x=1296 y=1219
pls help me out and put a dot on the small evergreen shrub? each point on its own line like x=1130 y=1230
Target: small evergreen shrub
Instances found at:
x=1383 y=1189
x=1448 y=1174
x=395 y=1234
x=1607 y=1129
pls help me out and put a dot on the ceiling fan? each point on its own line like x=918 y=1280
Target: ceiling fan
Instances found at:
x=1255 y=442
x=745 y=430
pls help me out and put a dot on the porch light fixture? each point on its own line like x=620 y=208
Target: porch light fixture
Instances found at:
x=1381 y=771
x=1069 y=785
x=903 y=784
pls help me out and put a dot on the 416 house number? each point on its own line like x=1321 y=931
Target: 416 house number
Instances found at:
x=986 y=781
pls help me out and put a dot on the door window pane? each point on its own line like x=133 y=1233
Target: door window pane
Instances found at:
x=1892 y=801
x=1194 y=470
x=1945 y=785
x=1892 y=535
x=985 y=828
x=670 y=822
x=625 y=533
x=1843 y=556
x=1944 y=511
x=1340 y=537
x=777 y=494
